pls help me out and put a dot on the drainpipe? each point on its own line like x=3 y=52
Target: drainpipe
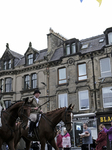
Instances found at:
x=94 y=83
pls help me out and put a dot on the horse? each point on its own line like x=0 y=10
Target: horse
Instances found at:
x=46 y=130
x=19 y=109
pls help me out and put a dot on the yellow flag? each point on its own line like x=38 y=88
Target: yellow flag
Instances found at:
x=100 y=1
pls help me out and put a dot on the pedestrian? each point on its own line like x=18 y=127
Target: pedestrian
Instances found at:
x=109 y=132
x=2 y=105
x=66 y=142
x=34 y=111
x=86 y=137
x=59 y=140
x=102 y=139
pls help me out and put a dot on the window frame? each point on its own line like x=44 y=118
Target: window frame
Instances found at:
x=80 y=100
x=9 y=103
x=5 y=65
x=9 y=64
x=26 y=82
x=30 y=59
x=106 y=71
x=110 y=104
x=73 y=45
x=68 y=45
x=59 y=104
x=8 y=85
x=78 y=72
x=110 y=38
x=62 y=79
x=33 y=80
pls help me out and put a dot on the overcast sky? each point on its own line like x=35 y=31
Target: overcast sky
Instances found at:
x=22 y=21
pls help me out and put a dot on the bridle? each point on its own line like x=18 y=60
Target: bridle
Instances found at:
x=65 y=120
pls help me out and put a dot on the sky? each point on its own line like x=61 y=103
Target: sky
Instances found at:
x=24 y=21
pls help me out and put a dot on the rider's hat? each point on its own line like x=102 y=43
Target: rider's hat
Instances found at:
x=36 y=91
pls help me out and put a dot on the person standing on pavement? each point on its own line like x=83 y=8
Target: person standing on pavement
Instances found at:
x=86 y=137
x=109 y=132
x=66 y=142
x=102 y=139
x=59 y=140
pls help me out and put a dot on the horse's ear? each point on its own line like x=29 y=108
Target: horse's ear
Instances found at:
x=73 y=106
x=26 y=100
x=69 y=107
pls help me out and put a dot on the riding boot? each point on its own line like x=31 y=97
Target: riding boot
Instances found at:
x=31 y=127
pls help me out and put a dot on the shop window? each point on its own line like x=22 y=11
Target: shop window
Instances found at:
x=62 y=100
x=73 y=48
x=68 y=49
x=7 y=103
x=5 y=65
x=30 y=59
x=9 y=64
x=34 y=80
x=107 y=97
x=105 y=67
x=110 y=38
x=82 y=75
x=8 y=85
x=83 y=100
x=27 y=82
x=62 y=76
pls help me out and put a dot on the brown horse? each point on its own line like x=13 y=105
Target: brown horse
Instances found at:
x=19 y=109
x=47 y=127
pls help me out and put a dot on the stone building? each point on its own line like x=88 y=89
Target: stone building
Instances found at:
x=67 y=71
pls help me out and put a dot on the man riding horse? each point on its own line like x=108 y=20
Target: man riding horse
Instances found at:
x=34 y=111
x=2 y=105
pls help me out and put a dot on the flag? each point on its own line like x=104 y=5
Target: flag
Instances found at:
x=81 y=1
x=100 y=1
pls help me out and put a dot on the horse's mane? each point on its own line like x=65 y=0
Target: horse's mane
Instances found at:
x=14 y=104
x=51 y=112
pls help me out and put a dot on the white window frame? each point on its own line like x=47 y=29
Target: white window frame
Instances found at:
x=73 y=48
x=103 y=73
x=63 y=79
x=109 y=104
x=84 y=76
x=68 y=49
x=82 y=99
x=30 y=59
x=60 y=98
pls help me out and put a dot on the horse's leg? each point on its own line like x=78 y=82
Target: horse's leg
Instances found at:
x=28 y=143
x=42 y=142
x=53 y=144
x=11 y=145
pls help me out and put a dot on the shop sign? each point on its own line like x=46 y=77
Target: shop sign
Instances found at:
x=105 y=119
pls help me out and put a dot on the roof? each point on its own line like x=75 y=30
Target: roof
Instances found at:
x=16 y=55
x=21 y=61
x=41 y=55
x=57 y=54
x=93 y=43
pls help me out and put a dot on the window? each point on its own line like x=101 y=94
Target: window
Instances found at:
x=30 y=59
x=110 y=38
x=9 y=64
x=83 y=100
x=2 y=84
x=62 y=75
x=5 y=65
x=82 y=72
x=8 y=85
x=107 y=97
x=105 y=67
x=7 y=103
x=84 y=46
x=67 y=49
x=34 y=80
x=73 y=48
x=63 y=100
x=27 y=82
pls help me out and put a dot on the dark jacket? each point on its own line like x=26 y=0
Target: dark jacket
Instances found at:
x=101 y=140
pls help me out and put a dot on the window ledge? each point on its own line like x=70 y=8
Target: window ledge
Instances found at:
x=87 y=80
x=105 y=77
x=65 y=84
x=8 y=93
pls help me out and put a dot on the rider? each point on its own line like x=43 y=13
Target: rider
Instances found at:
x=34 y=110
x=2 y=105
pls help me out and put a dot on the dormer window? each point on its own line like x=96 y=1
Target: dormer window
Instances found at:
x=30 y=59
x=110 y=38
x=68 y=49
x=73 y=48
x=9 y=64
x=5 y=65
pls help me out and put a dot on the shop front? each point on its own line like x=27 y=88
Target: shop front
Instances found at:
x=104 y=118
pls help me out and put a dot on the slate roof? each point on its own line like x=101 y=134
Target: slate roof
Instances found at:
x=21 y=61
x=57 y=54
x=93 y=43
x=41 y=55
x=16 y=55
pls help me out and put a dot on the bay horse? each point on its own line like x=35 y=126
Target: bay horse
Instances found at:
x=19 y=109
x=46 y=130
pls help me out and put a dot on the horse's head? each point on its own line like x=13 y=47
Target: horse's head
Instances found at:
x=24 y=110
x=67 y=117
